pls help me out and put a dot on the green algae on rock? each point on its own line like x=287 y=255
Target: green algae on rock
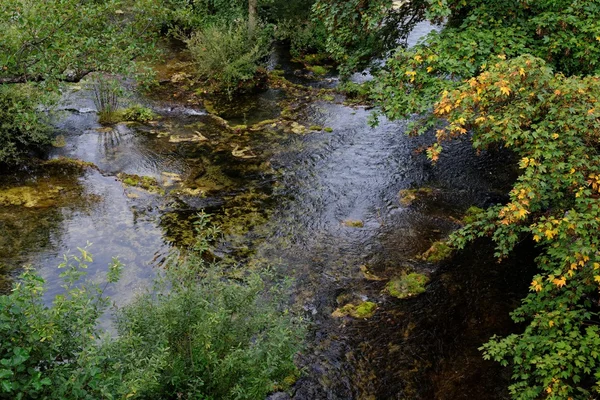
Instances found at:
x=407 y=285
x=365 y=309
x=147 y=183
x=438 y=251
x=31 y=196
x=351 y=223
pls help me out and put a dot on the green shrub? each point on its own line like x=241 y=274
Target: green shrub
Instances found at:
x=52 y=352
x=305 y=38
x=138 y=113
x=22 y=126
x=226 y=55
x=198 y=335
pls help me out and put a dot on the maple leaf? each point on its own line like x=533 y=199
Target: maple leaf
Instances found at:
x=505 y=90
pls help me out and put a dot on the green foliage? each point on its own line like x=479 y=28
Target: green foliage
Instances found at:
x=360 y=30
x=307 y=39
x=22 y=125
x=186 y=16
x=564 y=33
x=52 y=352
x=226 y=55
x=552 y=123
x=62 y=39
x=200 y=334
x=138 y=113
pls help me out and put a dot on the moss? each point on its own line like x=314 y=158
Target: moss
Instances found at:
x=471 y=214
x=327 y=97
x=407 y=285
x=69 y=164
x=350 y=223
x=239 y=127
x=147 y=183
x=315 y=128
x=262 y=124
x=31 y=197
x=365 y=309
x=438 y=251
x=318 y=69
x=59 y=141
x=328 y=129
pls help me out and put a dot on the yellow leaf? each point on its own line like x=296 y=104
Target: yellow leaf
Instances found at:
x=551 y=323
x=597 y=278
x=502 y=56
x=555 y=136
x=505 y=90
x=429 y=69
x=560 y=282
x=536 y=238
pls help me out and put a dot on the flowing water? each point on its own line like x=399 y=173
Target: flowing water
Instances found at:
x=284 y=199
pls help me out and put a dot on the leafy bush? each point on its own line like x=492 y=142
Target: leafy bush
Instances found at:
x=185 y=16
x=52 y=352
x=304 y=37
x=22 y=126
x=199 y=335
x=138 y=113
x=226 y=55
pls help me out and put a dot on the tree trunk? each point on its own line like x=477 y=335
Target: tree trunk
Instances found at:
x=252 y=16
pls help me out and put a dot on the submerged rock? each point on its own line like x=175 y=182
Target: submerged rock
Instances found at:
x=409 y=196
x=407 y=285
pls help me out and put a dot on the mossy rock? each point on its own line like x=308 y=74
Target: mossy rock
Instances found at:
x=362 y=310
x=69 y=164
x=471 y=214
x=147 y=183
x=328 y=130
x=315 y=128
x=327 y=97
x=438 y=251
x=407 y=285
x=351 y=223
x=31 y=197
